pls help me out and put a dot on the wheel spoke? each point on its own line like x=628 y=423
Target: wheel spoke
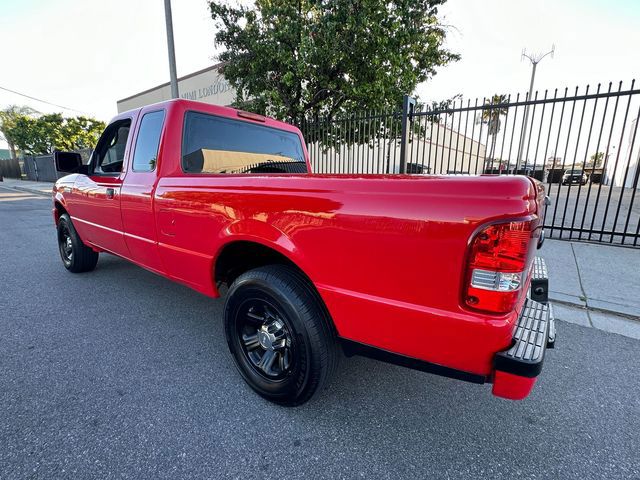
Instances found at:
x=269 y=315
x=255 y=317
x=280 y=361
x=265 y=339
x=66 y=245
x=266 y=362
x=250 y=341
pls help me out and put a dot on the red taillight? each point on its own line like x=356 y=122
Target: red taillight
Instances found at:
x=498 y=259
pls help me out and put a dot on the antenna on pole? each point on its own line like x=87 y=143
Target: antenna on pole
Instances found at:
x=535 y=59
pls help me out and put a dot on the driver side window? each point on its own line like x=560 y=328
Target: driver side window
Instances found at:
x=110 y=151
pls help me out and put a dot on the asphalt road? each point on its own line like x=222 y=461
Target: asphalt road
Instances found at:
x=121 y=374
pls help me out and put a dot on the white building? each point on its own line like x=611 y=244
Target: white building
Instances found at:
x=437 y=149
x=207 y=85
x=629 y=160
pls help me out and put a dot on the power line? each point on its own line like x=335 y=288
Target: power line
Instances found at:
x=42 y=101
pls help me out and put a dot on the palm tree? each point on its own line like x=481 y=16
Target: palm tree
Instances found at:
x=491 y=118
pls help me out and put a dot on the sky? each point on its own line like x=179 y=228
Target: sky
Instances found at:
x=595 y=41
x=86 y=54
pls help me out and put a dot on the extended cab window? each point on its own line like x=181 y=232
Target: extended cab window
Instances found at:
x=109 y=153
x=213 y=144
x=145 y=155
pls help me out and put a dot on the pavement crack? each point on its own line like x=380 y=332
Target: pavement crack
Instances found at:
x=584 y=293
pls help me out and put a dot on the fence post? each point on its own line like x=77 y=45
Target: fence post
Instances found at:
x=408 y=106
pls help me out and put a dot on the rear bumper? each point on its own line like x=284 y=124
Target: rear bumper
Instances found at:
x=512 y=371
x=517 y=368
x=574 y=180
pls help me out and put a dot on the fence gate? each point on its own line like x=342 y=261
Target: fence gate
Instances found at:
x=582 y=144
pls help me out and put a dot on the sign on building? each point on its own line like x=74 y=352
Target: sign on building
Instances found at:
x=208 y=86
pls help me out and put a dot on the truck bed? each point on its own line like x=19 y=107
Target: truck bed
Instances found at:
x=376 y=247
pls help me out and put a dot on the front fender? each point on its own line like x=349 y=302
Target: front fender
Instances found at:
x=58 y=199
x=63 y=186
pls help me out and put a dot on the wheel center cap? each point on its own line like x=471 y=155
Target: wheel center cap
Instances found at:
x=266 y=340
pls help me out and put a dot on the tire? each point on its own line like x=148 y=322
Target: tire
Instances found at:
x=76 y=256
x=280 y=334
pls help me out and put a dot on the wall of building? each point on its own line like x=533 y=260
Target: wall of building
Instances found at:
x=208 y=86
x=438 y=149
x=623 y=171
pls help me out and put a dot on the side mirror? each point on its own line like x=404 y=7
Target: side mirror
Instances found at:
x=69 y=162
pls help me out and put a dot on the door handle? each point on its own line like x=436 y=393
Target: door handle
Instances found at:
x=110 y=192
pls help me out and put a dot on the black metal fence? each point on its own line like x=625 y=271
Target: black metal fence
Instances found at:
x=40 y=169
x=10 y=168
x=37 y=168
x=582 y=144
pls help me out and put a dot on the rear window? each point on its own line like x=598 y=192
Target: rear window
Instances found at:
x=212 y=144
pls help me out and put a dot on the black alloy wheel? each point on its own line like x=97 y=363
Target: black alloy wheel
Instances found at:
x=280 y=334
x=65 y=244
x=266 y=338
x=76 y=256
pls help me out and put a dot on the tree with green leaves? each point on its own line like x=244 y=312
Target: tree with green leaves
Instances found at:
x=43 y=134
x=307 y=58
x=595 y=161
x=8 y=118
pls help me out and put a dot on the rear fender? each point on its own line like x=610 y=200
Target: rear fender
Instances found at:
x=252 y=230
x=259 y=232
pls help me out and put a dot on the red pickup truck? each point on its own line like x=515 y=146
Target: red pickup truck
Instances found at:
x=436 y=273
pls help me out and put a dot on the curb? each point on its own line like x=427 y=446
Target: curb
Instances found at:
x=594 y=305
x=28 y=190
x=589 y=308
x=609 y=322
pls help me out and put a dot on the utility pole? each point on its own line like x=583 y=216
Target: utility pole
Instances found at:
x=535 y=59
x=171 y=49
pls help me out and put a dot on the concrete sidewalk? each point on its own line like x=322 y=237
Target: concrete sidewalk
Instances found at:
x=594 y=276
x=42 y=188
